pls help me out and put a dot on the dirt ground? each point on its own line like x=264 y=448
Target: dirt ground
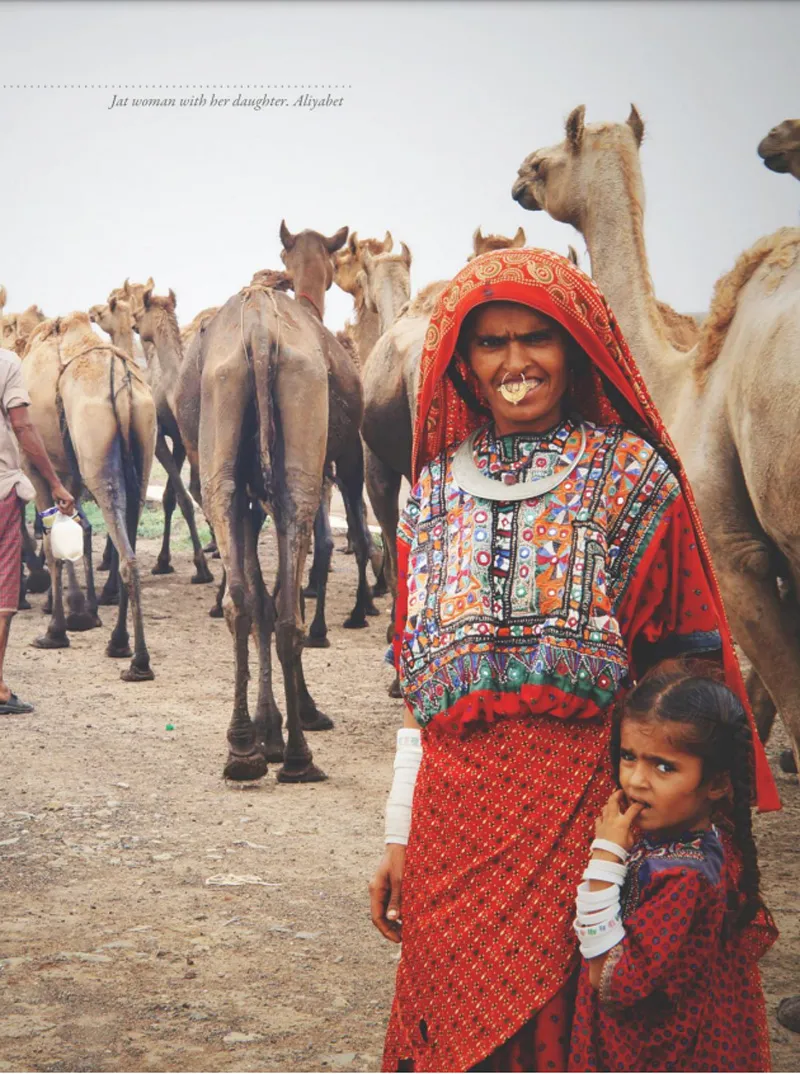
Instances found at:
x=115 y=952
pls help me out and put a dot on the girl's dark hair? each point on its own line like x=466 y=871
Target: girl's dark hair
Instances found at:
x=710 y=723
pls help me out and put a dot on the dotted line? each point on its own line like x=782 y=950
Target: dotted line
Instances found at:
x=188 y=85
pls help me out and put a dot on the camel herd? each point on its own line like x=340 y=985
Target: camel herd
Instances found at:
x=270 y=407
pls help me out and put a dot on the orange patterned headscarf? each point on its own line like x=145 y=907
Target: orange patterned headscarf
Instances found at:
x=612 y=392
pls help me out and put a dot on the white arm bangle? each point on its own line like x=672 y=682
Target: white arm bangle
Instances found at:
x=612 y=848
x=593 y=946
x=598 y=917
x=406 y=765
x=609 y=871
x=595 y=900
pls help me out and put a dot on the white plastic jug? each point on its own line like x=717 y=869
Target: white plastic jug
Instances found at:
x=66 y=538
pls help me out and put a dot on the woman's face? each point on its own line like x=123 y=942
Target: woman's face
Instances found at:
x=512 y=344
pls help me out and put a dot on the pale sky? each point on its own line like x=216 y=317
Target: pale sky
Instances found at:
x=446 y=101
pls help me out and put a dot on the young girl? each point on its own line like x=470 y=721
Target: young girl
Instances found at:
x=671 y=926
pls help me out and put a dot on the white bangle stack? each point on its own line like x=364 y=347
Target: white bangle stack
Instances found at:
x=598 y=919
x=406 y=765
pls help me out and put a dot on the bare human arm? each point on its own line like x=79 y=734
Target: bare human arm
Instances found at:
x=36 y=453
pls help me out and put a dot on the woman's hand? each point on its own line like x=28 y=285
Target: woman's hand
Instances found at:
x=616 y=823
x=384 y=892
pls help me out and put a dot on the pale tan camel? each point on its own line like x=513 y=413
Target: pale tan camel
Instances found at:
x=116 y=320
x=156 y=324
x=273 y=376
x=730 y=403
x=482 y=244
x=780 y=149
x=16 y=328
x=349 y=263
x=97 y=419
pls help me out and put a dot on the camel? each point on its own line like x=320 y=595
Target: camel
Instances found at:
x=780 y=149
x=15 y=328
x=482 y=244
x=349 y=264
x=97 y=418
x=280 y=398
x=730 y=403
x=155 y=322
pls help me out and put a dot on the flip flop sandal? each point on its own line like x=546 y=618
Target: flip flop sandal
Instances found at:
x=15 y=707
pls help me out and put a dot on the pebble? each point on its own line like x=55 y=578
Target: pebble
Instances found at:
x=240 y=1038
x=306 y=935
x=339 y=1059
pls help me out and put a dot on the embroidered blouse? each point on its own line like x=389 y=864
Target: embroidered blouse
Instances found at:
x=553 y=600
x=681 y=991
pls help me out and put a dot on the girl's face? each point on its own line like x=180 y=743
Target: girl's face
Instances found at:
x=665 y=779
x=511 y=343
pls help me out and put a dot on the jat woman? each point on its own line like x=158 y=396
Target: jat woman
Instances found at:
x=549 y=554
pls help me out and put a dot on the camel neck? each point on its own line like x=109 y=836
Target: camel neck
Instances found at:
x=613 y=227
x=167 y=340
x=123 y=338
x=313 y=301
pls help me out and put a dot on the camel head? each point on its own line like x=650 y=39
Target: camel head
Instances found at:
x=114 y=317
x=559 y=179
x=572 y=255
x=349 y=261
x=308 y=257
x=17 y=328
x=780 y=149
x=482 y=244
x=132 y=293
x=385 y=282
x=151 y=310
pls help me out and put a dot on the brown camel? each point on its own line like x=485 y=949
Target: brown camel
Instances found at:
x=780 y=149
x=280 y=398
x=730 y=403
x=16 y=328
x=349 y=264
x=97 y=418
x=155 y=321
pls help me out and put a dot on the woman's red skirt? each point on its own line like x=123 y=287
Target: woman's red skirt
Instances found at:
x=502 y=821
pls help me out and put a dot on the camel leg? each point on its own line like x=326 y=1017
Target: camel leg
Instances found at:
x=298 y=765
x=176 y=490
x=383 y=488
x=764 y=623
x=38 y=574
x=317 y=637
x=268 y=719
x=110 y=593
x=350 y=479
x=108 y=553
x=56 y=636
x=82 y=609
x=216 y=611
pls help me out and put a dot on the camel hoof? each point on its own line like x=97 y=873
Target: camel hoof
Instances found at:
x=245 y=767
x=202 y=577
x=309 y=773
x=274 y=754
x=109 y=599
x=312 y=641
x=51 y=641
x=371 y=610
x=316 y=721
x=163 y=568
x=786 y=762
x=79 y=621
x=380 y=589
x=355 y=622
x=789 y=1013
x=217 y=612
x=394 y=689
x=118 y=650
x=103 y=566
x=310 y=592
x=215 y=554
x=134 y=674
x=210 y=548
x=38 y=580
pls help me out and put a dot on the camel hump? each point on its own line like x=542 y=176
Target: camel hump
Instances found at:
x=772 y=257
x=682 y=329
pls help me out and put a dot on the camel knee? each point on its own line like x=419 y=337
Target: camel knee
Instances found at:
x=288 y=642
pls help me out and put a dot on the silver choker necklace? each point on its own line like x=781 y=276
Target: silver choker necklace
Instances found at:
x=470 y=479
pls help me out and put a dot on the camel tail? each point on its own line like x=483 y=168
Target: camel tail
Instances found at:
x=264 y=359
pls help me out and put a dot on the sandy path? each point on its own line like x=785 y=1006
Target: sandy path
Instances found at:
x=116 y=955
